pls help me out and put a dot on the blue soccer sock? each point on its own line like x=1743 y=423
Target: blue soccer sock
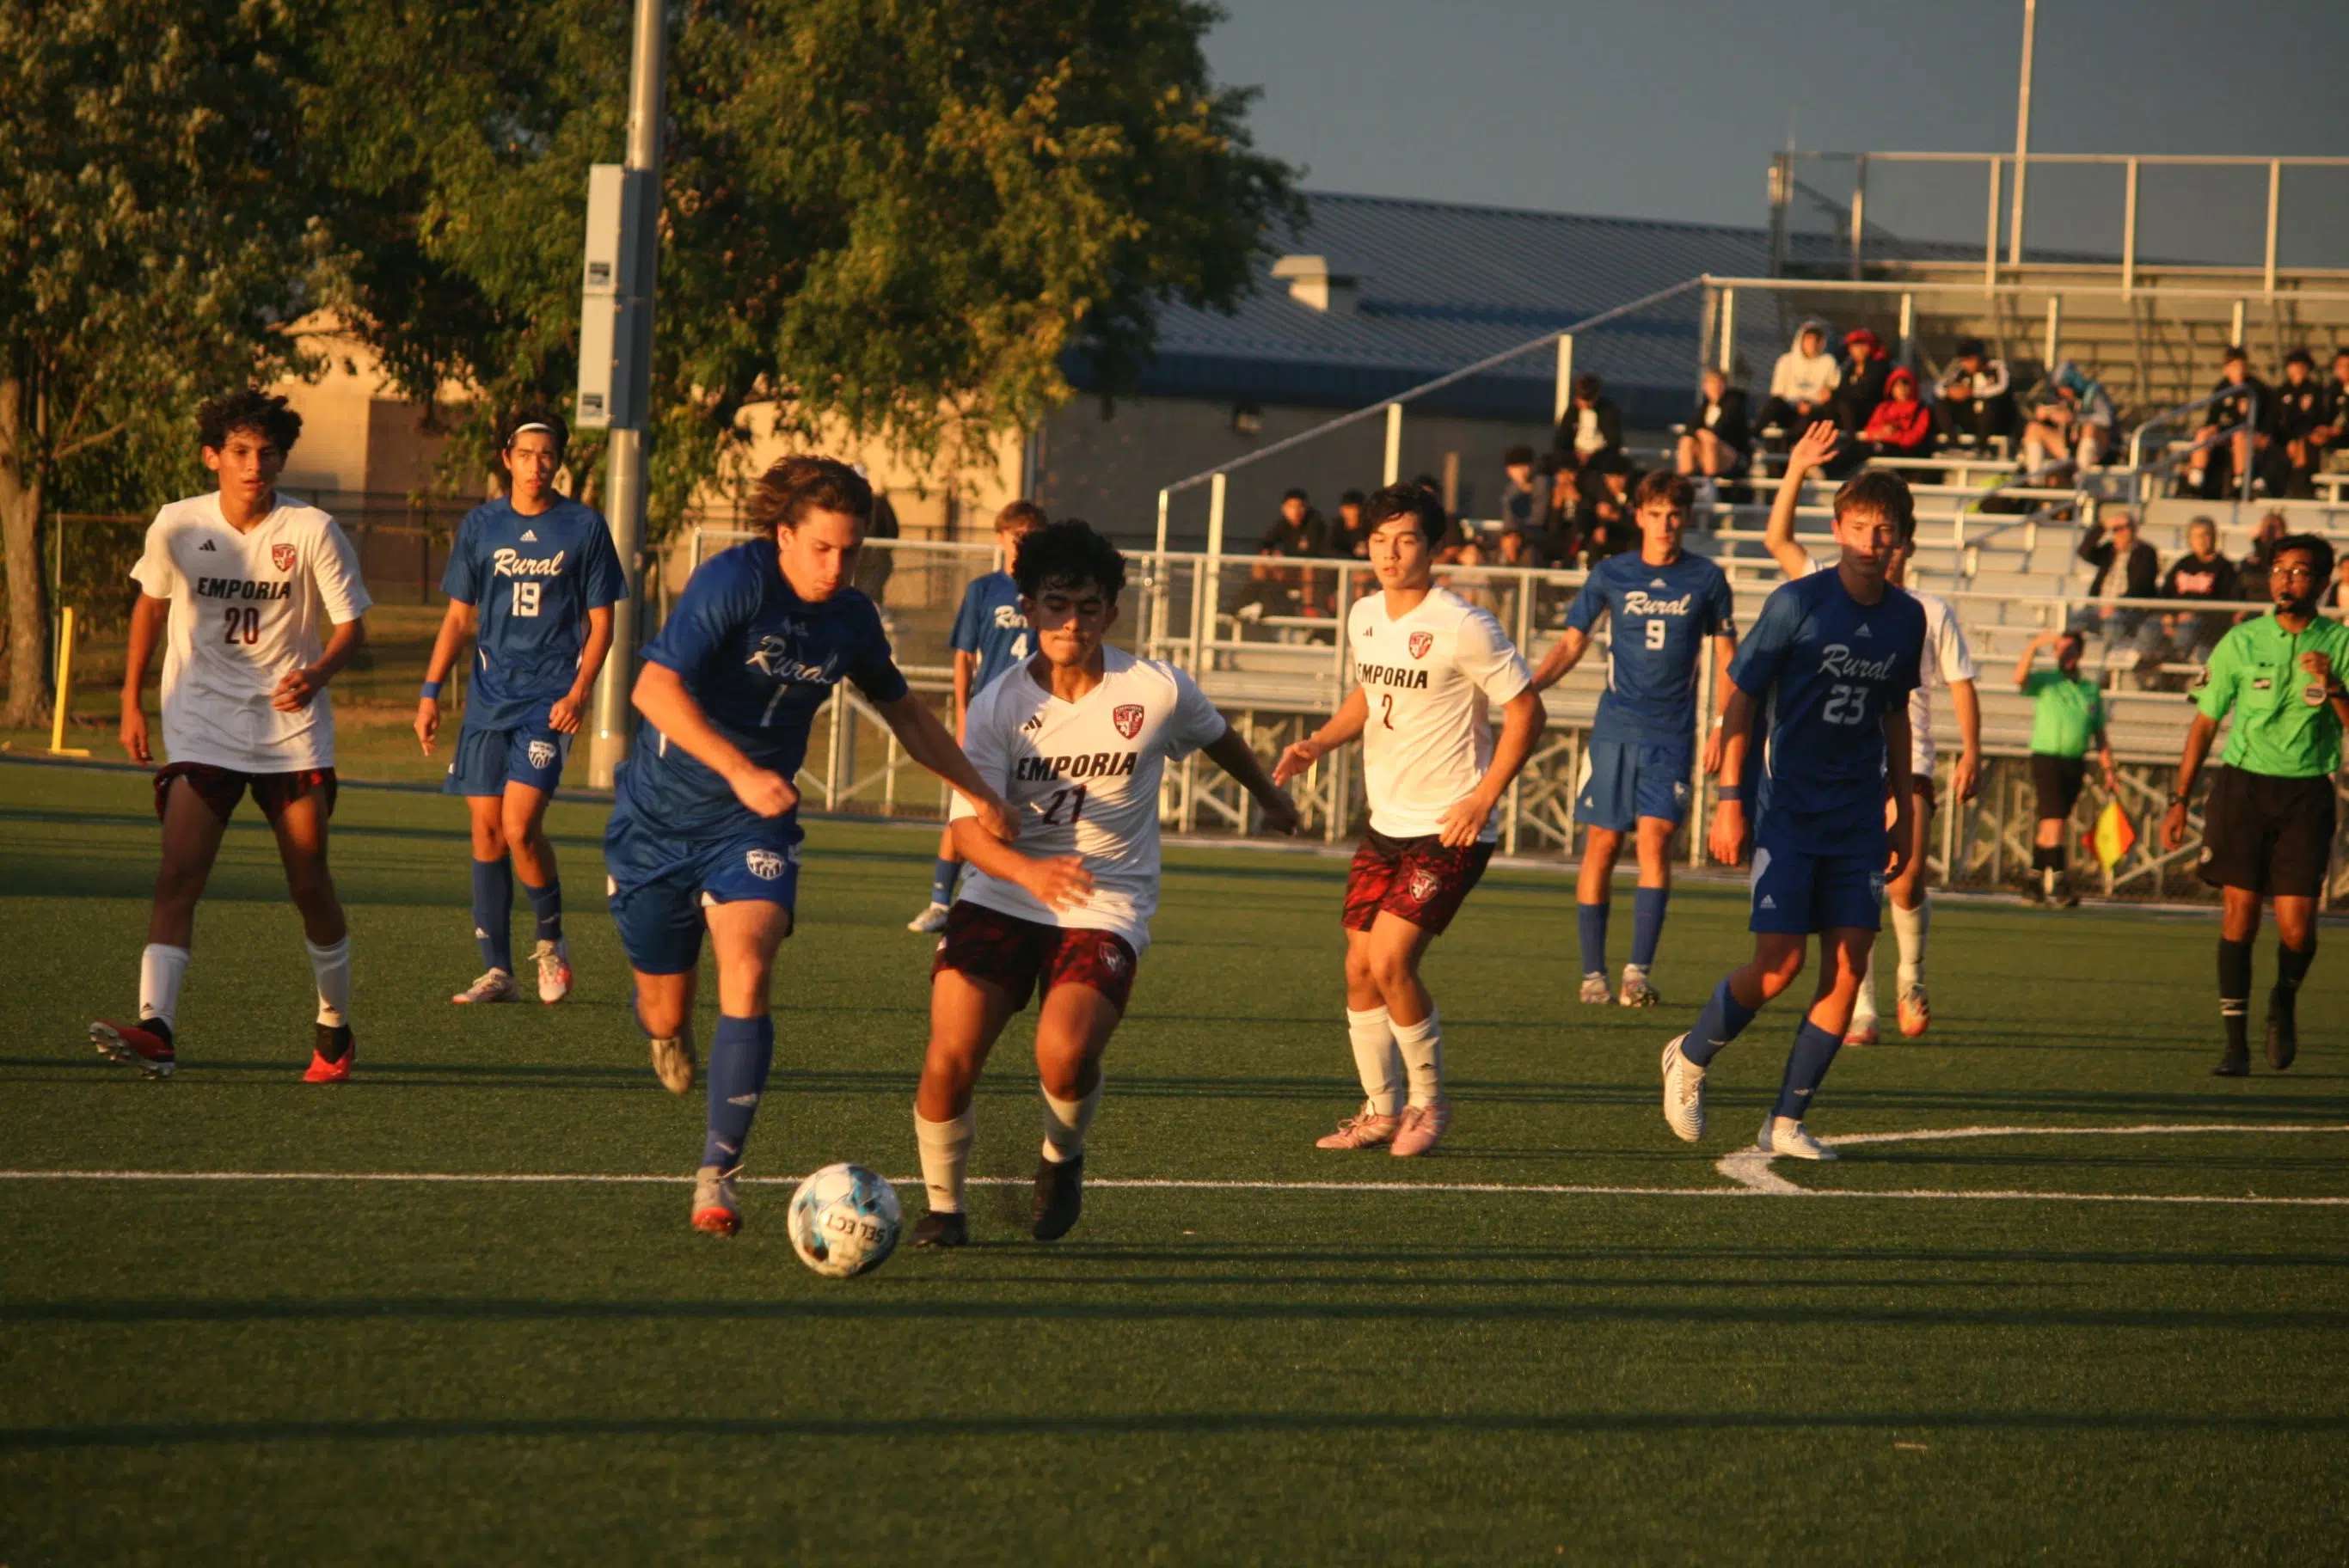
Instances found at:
x=1723 y=1019
x=1592 y=919
x=546 y=904
x=740 y=1055
x=1648 y=922
x=494 y=912
x=943 y=873
x=1807 y=1067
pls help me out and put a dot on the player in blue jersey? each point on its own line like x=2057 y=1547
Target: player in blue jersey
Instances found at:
x=531 y=579
x=1663 y=604
x=705 y=831
x=990 y=635
x=1827 y=671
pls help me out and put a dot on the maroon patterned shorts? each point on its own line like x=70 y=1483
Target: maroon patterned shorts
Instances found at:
x=1014 y=955
x=1417 y=880
x=222 y=788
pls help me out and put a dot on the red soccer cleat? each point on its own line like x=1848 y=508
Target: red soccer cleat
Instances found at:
x=145 y=1045
x=335 y=1068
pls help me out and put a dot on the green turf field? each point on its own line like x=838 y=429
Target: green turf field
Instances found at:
x=404 y=1371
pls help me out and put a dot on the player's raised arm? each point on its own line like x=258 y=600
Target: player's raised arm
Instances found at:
x=1816 y=446
x=1345 y=725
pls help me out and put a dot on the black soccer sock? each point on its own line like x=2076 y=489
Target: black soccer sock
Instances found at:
x=2291 y=968
x=2235 y=995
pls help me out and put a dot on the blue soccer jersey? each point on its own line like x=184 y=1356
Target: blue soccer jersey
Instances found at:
x=1825 y=668
x=533 y=581
x=1661 y=616
x=990 y=625
x=759 y=661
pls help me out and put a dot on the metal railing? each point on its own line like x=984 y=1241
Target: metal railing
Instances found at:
x=2143 y=475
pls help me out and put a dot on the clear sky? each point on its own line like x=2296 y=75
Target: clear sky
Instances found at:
x=1669 y=108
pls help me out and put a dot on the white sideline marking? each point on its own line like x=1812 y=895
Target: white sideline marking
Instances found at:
x=1748 y=1168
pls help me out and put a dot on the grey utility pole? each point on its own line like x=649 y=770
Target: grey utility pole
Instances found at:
x=2022 y=133
x=615 y=368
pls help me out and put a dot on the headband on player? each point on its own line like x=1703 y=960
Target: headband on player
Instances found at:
x=533 y=424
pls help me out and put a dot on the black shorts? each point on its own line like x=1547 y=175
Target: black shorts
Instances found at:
x=2058 y=779
x=2272 y=835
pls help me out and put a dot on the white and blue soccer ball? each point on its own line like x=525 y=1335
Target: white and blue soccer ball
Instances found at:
x=845 y=1221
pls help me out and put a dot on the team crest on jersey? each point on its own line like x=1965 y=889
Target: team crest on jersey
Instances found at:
x=1114 y=961
x=541 y=754
x=281 y=556
x=765 y=864
x=1420 y=643
x=1422 y=882
x=1127 y=716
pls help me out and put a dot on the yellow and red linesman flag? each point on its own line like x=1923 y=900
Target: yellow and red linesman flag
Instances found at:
x=2113 y=837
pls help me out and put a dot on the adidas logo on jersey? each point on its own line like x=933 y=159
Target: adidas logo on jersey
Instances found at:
x=207 y=544
x=1863 y=631
x=1658 y=583
x=1768 y=903
x=530 y=536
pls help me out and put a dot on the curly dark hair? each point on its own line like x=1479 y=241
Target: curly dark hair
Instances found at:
x=1886 y=494
x=1069 y=554
x=530 y=413
x=787 y=493
x=217 y=418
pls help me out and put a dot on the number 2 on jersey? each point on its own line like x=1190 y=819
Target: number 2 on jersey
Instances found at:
x=1075 y=800
x=1386 y=708
x=244 y=624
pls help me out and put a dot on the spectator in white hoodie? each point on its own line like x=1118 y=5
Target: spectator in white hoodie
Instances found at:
x=1802 y=384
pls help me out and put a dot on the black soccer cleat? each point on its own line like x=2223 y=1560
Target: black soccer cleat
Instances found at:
x=2283 y=1028
x=2234 y=1063
x=1060 y=1197
x=941 y=1229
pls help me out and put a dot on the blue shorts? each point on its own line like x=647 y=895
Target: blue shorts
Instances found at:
x=659 y=883
x=487 y=760
x=1623 y=780
x=1795 y=894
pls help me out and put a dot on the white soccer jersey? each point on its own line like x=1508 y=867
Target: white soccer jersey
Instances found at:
x=1430 y=676
x=1949 y=662
x=1084 y=777
x=246 y=608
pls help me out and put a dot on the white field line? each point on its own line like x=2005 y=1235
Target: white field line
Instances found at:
x=1748 y=1168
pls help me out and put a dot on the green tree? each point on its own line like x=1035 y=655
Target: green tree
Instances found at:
x=893 y=214
x=158 y=235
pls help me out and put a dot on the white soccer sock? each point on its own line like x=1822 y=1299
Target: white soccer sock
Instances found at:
x=332 y=967
x=1065 y=1121
x=1376 y=1060
x=1422 y=1047
x=1910 y=925
x=946 y=1154
x=160 y=970
x=1863 y=1006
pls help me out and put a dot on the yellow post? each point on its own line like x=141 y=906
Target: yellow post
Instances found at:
x=57 y=746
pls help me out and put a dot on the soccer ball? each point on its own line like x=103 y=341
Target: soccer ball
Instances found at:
x=845 y=1221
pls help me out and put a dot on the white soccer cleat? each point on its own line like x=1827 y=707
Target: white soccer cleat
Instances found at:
x=1915 y=1011
x=1593 y=988
x=1683 y=1093
x=1862 y=1031
x=1636 y=992
x=673 y=1062
x=714 y=1208
x=931 y=920
x=553 y=960
x=1365 y=1129
x=1419 y=1129
x=1782 y=1135
x=496 y=986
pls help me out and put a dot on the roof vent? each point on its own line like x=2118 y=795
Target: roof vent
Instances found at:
x=1313 y=284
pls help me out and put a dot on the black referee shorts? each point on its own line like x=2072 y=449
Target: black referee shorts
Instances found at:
x=2272 y=835
x=2058 y=779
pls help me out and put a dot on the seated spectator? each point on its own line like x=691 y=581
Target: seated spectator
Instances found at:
x=1349 y=535
x=1604 y=519
x=1901 y=426
x=1979 y=383
x=2127 y=568
x=2332 y=436
x=2201 y=573
x=1802 y=383
x=2252 y=576
x=2235 y=427
x=2337 y=596
x=1525 y=547
x=2071 y=427
x=1864 y=373
x=1523 y=499
x=1298 y=531
x=1565 y=537
x=2299 y=413
x=1590 y=428
x=1718 y=443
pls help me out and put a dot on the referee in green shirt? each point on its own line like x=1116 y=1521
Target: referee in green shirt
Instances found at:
x=2067 y=714
x=2267 y=830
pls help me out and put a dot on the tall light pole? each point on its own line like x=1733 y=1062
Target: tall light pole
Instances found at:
x=622 y=322
x=2022 y=133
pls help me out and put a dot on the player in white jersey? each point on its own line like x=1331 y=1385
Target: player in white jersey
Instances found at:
x=1076 y=738
x=258 y=600
x=1428 y=667
x=1948 y=662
